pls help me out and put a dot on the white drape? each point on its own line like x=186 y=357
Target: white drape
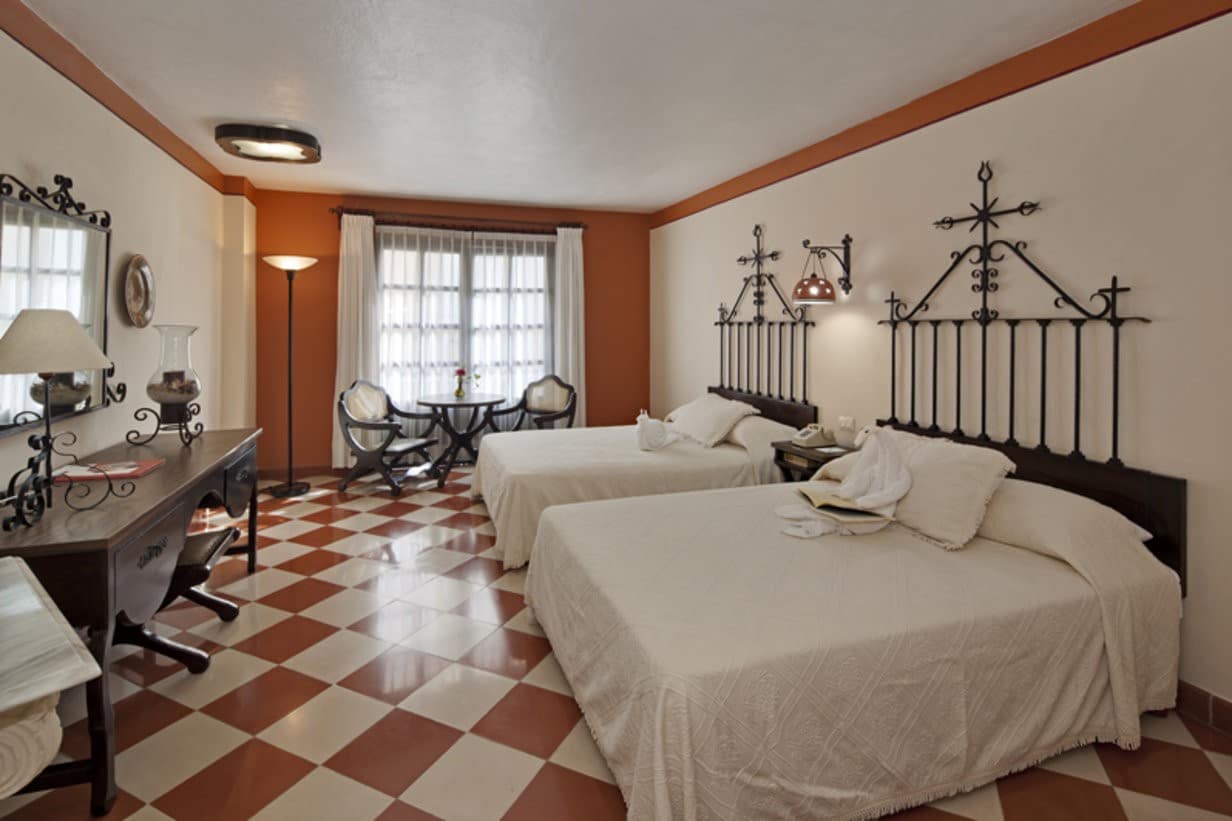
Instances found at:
x=569 y=307
x=358 y=317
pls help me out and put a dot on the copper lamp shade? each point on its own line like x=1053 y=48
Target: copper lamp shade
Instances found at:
x=813 y=290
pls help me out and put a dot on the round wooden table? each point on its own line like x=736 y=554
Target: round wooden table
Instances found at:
x=441 y=404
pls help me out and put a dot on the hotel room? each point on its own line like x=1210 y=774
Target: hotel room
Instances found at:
x=686 y=410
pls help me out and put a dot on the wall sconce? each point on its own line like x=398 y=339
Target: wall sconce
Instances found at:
x=813 y=287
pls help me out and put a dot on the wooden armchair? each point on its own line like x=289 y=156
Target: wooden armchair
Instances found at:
x=364 y=407
x=545 y=401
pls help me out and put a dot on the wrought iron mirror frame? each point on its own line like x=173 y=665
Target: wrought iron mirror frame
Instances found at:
x=61 y=202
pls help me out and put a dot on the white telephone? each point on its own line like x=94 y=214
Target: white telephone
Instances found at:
x=813 y=436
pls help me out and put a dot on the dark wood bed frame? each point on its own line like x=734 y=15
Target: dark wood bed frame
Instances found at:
x=786 y=411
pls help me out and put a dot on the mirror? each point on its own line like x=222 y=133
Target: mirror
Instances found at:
x=53 y=254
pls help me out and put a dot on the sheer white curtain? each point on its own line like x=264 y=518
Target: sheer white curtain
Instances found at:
x=358 y=317
x=455 y=298
x=420 y=272
x=569 y=306
x=43 y=264
x=511 y=298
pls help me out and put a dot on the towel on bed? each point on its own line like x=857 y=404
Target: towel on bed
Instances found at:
x=652 y=434
x=876 y=482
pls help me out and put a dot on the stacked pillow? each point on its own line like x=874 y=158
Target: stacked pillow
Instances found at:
x=951 y=486
x=709 y=418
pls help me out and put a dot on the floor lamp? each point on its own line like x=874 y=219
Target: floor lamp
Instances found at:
x=290 y=264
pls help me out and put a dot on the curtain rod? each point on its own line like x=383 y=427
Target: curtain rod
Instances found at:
x=454 y=223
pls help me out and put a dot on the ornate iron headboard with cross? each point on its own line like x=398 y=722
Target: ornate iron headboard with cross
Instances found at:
x=763 y=360
x=1157 y=503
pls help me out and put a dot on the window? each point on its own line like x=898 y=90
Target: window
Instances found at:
x=453 y=298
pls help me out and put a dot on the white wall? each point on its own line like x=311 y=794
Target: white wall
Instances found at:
x=1131 y=161
x=158 y=209
x=239 y=313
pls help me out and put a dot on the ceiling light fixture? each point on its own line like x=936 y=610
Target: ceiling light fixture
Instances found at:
x=813 y=287
x=267 y=143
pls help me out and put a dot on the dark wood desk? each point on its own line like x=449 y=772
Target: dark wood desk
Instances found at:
x=114 y=564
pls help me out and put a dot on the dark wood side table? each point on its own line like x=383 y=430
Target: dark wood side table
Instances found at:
x=114 y=564
x=799 y=463
x=459 y=440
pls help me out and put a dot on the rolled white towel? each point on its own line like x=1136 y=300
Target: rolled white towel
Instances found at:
x=653 y=434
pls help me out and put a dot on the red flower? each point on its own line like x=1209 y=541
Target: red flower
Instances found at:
x=460 y=372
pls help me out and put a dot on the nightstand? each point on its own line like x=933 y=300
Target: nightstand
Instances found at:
x=799 y=463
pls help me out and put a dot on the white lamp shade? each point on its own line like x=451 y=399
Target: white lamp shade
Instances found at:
x=49 y=341
x=284 y=262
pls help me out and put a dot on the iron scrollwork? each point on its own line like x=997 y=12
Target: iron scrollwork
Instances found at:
x=758 y=354
x=178 y=421
x=985 y=256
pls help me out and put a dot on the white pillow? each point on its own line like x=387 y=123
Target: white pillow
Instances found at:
x=755 y=433
x=709 y=418
x=1027 y=513
x=951 y=485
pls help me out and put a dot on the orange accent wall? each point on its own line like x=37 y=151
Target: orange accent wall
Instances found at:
x=1106 y=37
x=616 y=248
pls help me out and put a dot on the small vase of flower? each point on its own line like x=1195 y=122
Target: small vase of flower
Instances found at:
x=463 y=376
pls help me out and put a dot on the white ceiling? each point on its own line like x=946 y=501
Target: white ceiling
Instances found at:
x=624 y=104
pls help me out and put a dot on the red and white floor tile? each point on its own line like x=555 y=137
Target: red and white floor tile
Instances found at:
x=384 y=666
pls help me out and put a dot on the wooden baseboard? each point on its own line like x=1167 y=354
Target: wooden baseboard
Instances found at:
x=1194 y=702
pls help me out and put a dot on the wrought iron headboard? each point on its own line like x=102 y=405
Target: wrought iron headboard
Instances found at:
x=761 y=357
x=1156 y=502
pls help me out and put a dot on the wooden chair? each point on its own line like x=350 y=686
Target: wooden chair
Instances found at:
x=193 y=567
x=545 y=401
x=364 y=407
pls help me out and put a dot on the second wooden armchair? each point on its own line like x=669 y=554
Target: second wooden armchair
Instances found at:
x=544 y=402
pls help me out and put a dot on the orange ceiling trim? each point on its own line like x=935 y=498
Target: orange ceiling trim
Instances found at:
x=27 y=28
x=1111 y=35
x=238 y=186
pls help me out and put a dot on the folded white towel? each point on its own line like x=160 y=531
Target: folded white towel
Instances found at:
x=652 y=434
x=876 y=482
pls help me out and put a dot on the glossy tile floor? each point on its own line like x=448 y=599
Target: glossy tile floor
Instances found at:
x=384 y=666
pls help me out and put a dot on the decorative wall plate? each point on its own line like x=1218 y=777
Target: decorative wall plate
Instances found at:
x=139 y=291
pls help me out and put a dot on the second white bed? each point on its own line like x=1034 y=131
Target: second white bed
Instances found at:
x=520 y=474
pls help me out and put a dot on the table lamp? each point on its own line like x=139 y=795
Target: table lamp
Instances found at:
x=46 y=342
x=289 y=264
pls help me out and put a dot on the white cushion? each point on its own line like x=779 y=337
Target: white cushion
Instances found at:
x=367 y=403
x=755 y=433
x=709 y=418
x=1027 y=513
x=951 y=485
x=546 y=396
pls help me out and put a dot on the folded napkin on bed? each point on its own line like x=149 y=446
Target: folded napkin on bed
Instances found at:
x=653 y=434
x=876 y=482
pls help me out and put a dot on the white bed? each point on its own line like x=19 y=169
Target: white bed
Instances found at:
x=521 y=474
x=730 y=671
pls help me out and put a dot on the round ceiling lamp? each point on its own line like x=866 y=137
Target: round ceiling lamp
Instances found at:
x=267 y=143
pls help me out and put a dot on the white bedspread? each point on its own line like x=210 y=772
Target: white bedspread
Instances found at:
x=520 y=474
x=730 y=671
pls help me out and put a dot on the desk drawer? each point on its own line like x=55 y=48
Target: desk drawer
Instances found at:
x=143 y=566
x=240 y=478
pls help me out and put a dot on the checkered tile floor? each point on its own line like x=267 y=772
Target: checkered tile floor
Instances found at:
x=384 y=666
